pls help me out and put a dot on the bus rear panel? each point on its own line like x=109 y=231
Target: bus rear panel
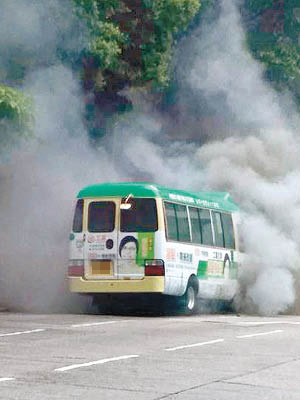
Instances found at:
x=113 y=247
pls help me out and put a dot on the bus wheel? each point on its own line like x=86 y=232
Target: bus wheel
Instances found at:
x=189 y=299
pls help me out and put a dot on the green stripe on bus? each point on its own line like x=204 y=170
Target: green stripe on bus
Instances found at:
x=202 y=268
x=146 y=247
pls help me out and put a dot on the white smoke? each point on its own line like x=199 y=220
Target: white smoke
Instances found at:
x=45 y=175
x=40 y=182
x=258 y=163
x=255 y=157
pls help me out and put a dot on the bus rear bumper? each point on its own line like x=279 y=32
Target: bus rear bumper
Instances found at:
x=149 y=284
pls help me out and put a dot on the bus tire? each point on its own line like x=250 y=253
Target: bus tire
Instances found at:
x=189 y=299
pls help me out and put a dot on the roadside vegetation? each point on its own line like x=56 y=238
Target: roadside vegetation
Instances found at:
x=16 y=118
x=131 y=44
x=274 y=39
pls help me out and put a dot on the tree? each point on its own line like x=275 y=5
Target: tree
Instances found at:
x=283 y=66
x=130 y=46
x=274 y=40
x=132 y=40
x=16 y=117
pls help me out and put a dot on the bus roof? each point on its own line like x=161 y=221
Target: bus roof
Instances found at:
x=208 y=199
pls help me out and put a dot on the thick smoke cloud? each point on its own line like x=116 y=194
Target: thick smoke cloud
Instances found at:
x=40 y=182
x=258 y=163
x=37 y=33
x=254 y=155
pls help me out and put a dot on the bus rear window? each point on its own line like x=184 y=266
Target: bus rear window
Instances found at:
x=141 y=217
x=101 y=216
x=77 y=221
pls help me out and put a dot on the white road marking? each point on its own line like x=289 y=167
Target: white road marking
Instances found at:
x=184 y=319
x=21 y=333
x=195 y=345
x=230 y=320
x=96 y=323
x=103 y=361
x=268 y=322
x=7 y=379
x=259 y=334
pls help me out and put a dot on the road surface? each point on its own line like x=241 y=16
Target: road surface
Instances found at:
x=222 y=357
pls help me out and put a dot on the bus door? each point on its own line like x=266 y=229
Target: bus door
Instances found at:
x=138 y=223
x=101 y=241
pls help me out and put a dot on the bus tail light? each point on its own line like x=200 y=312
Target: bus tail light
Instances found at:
x=154 y=268
x=76 y=268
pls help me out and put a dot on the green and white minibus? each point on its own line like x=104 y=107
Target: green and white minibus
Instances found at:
x=144 y=238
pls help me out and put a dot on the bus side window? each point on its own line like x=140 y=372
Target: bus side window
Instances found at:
x=172 y=231
x=195 y=225
x=228 y=231
x=218 y=229
x=77 y=221
x=182 y=223
x=207 y=237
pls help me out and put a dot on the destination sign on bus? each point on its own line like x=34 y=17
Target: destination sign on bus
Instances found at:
x=191 y=200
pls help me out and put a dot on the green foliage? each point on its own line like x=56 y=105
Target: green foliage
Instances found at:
x=16 y=117
x=97 y=8
x=169 y=18
x=157 y=66
x=106 y=37
x=279 y=51
x=132 y=40
x=174 y=15
x=282 y=62
x=291 y=22
x=259 y=4
x=107 y=44
x=285 y=56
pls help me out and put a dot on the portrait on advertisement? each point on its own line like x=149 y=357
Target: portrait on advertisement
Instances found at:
x=128 y=251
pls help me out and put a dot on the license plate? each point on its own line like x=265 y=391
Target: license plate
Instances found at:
x=102 y=267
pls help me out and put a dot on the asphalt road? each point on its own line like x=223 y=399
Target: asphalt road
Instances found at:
x=64 y=356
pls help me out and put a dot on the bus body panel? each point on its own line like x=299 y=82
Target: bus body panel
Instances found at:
x=206 y=263
x=76 y=246
x=148 y=284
